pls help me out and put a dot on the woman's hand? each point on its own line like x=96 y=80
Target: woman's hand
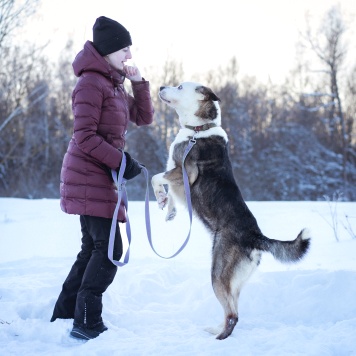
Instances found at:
x=132 y=73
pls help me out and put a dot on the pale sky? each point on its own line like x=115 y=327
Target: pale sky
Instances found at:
x=201 y=34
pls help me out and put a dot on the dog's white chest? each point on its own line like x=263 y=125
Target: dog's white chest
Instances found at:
x=183 y=135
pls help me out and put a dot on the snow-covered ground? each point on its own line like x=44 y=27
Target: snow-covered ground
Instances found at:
x=161 y=307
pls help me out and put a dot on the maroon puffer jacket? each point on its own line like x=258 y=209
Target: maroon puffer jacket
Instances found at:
x=102 y=109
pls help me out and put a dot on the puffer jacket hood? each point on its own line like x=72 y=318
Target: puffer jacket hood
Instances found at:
x=88 y=59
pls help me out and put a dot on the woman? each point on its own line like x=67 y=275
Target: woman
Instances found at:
x=102 y=110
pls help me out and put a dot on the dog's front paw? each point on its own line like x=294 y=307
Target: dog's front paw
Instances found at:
x=171 y=214
x=162 y=199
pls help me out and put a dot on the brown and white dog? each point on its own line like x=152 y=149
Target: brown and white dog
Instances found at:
x=237 y=241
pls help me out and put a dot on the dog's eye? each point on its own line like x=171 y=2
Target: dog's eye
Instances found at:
x=180 y=87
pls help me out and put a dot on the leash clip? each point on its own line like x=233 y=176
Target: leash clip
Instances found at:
x=193 y=139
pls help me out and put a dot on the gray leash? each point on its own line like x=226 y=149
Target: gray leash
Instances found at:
x=122 y=196
x=189 y=203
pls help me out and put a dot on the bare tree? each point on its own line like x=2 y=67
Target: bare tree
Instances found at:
x=351 y=113
x=24 y=118
x=330 y=49
x=13 y=15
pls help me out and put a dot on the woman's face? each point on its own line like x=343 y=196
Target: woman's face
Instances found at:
x=117 y=59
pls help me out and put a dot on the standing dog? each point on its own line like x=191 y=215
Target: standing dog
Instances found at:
x=216 y=199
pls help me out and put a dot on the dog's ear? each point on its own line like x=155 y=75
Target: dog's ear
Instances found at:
x=207 y=109
x=208 y=93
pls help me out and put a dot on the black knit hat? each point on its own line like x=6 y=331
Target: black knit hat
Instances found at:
x=109 y=36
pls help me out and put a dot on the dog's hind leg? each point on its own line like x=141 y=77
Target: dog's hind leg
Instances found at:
x=222 y=275
x=229 y=303
x=230 y=270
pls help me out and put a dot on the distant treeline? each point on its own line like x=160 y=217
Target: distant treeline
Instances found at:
x=294 y=141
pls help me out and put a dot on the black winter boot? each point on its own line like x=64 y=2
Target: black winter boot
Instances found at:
x=86 y=334
x=88 y=323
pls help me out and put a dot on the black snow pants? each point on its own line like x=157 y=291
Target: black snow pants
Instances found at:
x=90 y=275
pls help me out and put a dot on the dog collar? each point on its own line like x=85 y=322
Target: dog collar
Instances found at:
x=201 y=127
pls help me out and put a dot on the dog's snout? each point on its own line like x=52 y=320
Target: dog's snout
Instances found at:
x=161 y=88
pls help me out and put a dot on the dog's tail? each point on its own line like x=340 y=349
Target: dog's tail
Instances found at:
x=287 y=251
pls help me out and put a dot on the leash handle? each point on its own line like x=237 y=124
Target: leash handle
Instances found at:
x=122 y=196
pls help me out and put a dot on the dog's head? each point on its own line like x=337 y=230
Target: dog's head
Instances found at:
x=194 y=103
